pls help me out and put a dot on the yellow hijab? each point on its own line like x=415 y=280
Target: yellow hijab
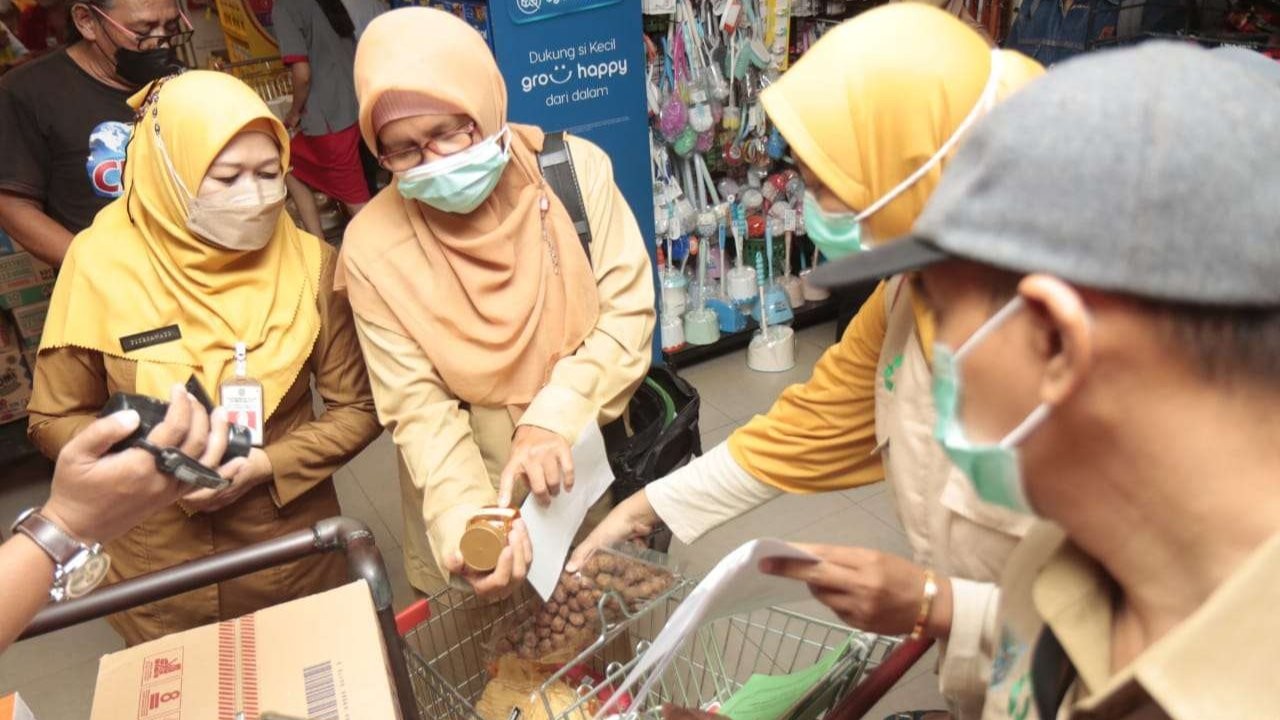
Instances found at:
x=865 y=108
x=138 y=268
x=864 y=112
x=496 y=297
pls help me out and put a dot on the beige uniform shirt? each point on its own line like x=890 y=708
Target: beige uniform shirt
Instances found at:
x=452 y=453
x=1221 y=662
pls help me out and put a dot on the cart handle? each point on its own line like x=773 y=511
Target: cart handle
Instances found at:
x=880 y=680
x=336 y=534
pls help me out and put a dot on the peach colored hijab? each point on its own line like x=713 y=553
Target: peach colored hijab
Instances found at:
x=496 y=297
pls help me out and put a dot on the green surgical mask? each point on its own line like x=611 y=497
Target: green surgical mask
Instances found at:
x=992 y=468
x=458 y=183
x=836 y=234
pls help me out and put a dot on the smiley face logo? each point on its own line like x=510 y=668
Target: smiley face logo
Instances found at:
x=561 y=71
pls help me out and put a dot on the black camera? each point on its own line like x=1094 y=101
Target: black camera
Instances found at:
x=152 y=412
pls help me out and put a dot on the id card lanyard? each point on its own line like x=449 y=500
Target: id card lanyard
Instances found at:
x=242 y=397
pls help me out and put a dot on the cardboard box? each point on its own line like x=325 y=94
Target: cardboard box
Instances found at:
x=321 y=656
x=30 y=322
x=15 y=387
x=26 y=296
x=12 y=708
x=29 y=357
x=21 y=270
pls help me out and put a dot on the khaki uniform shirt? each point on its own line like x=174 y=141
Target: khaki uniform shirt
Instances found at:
x=452 y=453
x=71 y=386
x=1221 y=662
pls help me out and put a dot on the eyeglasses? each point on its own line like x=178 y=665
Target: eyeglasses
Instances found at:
x=148 y=42
x=444 y=144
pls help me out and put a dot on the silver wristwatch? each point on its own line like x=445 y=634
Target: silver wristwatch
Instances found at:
x=77 y=568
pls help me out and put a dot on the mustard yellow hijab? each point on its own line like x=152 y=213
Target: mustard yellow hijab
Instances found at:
x=138 y=268
x=879 y=95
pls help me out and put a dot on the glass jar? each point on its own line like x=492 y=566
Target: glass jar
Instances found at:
x=486 y=536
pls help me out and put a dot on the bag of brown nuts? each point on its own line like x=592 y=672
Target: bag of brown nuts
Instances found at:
x=568 y=623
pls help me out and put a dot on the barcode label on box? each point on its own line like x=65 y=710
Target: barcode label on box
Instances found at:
x=322 y=695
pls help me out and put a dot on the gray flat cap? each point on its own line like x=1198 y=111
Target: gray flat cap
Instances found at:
x=1250 y=59
x=1152 y=171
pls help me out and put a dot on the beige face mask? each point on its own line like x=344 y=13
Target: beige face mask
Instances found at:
x=237 y=218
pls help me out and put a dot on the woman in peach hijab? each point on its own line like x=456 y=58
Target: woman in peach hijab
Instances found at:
x=492 y=338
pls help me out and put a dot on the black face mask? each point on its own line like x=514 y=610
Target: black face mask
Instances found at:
x=139 y=67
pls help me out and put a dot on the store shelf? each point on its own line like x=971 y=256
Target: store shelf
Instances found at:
x=810 y=313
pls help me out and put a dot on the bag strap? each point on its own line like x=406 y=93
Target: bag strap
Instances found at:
x=556 y=163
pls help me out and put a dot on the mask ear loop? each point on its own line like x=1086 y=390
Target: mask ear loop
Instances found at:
x=1038 y=415
x=985 y=101
x=991 y=325
x=1027 y=426
x=173 y=172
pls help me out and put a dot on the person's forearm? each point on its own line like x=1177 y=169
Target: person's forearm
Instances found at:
x=941 y=612
x=26 y=222
x=707 y=492
x=301 y=73
x=22 y=559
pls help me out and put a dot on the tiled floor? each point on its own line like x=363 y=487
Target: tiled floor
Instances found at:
x=56 y=673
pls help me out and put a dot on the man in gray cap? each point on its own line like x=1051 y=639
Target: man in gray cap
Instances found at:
x=1103 y=258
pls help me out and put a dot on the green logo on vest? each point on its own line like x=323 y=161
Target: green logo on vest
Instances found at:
x=1020 y=699
x=889 y=370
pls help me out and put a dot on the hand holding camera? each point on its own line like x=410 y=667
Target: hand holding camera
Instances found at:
x=100 y=492
x=171 y=460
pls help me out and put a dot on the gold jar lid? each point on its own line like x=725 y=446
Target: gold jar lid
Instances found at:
x=485 y=537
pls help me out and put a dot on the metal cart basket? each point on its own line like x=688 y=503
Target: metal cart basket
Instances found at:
x=447 y=659
x=436 y=649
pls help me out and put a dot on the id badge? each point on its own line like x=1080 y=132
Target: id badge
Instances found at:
x=243 y=403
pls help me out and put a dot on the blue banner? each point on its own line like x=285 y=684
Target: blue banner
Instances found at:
x=578 y=65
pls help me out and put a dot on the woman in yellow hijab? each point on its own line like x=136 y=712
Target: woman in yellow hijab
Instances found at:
x=195 y=258
x=872 y=112
x=492 y=338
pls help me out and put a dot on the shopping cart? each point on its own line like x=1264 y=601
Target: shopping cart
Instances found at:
x=440 y=668
x=447 y=641
x=269 y=77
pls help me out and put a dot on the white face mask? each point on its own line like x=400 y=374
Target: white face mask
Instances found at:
x=986 y=101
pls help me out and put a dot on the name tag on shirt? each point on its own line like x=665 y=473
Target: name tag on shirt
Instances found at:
x=150 y=338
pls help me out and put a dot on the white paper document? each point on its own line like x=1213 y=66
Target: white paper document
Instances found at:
x=552 y=528
x=734 y=586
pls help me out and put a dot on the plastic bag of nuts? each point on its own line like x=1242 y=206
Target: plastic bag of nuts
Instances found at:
x=564 y=626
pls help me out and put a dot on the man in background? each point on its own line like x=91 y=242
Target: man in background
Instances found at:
x=65 y=119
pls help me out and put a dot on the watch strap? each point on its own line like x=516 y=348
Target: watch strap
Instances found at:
x=56 y=542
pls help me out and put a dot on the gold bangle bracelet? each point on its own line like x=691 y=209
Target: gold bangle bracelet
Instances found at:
x=926 y=604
